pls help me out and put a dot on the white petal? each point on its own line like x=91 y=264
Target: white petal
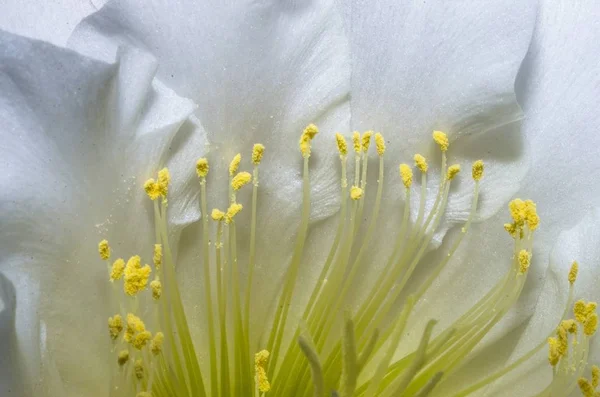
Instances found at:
x=79 y=138
x=51 y=21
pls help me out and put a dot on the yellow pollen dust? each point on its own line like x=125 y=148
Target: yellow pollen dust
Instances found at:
x=477 y=170
x=379 y=144
x=136 y=276
x=202 y=167
x=356 y=142
x=123 y=357
x=157 y=256
x=453 y=170
x=366 y=141
x=421 y=163
x=524 y=261
x=235 y=164
x=115 y=326
x=232 y=212
x=260 y=367
x=406 y=174
x=156 y=287
x=139 y=369
x=307 y=136
x=356 y=193
x=116 y=270
x=241 y=179
x=341 y=144
x=217 y=215
x=157 y=343
x=258 y=150
x=573 y=272
x=441 y=139
x=104 y=250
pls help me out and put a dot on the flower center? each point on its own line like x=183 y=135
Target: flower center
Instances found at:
x=334 y=352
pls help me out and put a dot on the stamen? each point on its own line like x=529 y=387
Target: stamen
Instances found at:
x=202 y=167
x=356 y=142
x=366 y=141
x=116 y=270
x=156 y=288
x=406 y=174
x=524 y=261
x=136 y=276
x=379 y=144
x=307 y=136
x=453 y=170
x=241 y=179
x=139 y=369
x=260 y=364
x=217 y=215
x=477 y=170
x=232 y=211
x=115 y=326
x=257 y=153
x=235 y=164
x=123 y=357
x=573 y=272
x=341 y=144
x=356 y=193
x=157 y=257
x=157 y=343
x=421 y=163
x=441 y=139
x=104 y=250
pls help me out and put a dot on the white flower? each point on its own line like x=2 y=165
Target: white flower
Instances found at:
x=282 y=66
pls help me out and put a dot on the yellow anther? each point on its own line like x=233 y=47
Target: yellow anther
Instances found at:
x=573 y=272
x=260 y=367
x=144 y=394
x=356 y=142
x=531 y=216
x=421 y=163
x=139 y=369
x=595 y=376
x=141 y=339
x=123 y=357
x=157 y=257
x=583 y=310
x=235 y=164
x=380 y=144
x=307 y=136
x=104 y=250
x=258 y=150
x=591 y=324
x=134 y=325
x=115 y=326
x=202 y=167
x=217 y=215
x=164 y=178
x=356 y=193
x=406 y=174
x=232 y=212
x=157 y=343
x=152 y=189
x=569 y=325
x=553 y=353
x=477 y=170
x=452 y=171
x=241 y=179
x=156 y=287
x=366 y=141
x=136 y=276
x=341 y=144
x=116 y=270
x=586 y=388
x=524 y=261
x=511 y=228
x=441 y=139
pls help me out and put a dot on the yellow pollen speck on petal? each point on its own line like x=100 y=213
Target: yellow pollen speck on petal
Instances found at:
x=141 y=339
x=477 y=170
x=139 y=369
x=164 y=178
x=356 y=142
x=595 y=376
x=202 y=167
x=406 y=174
x=453 y=170
x=341 y=144
x=258 y=150
x=241 y=179
x=157 y=343
x=115 y=326
x=524 y=261
x=116 y=270
x=366 y=141
x=573 y=272
x=380 y=144
x=157 y=256
x=441 y=139
x=421 y=163
x=586 y=388
x=156 y=287
x=232 y=211
x=235 y=164
x=260 y=367
x=356 y=193
x=136 y=276
x=307 y=136
x=217 y=215
x=104 y=250
x=123 y=357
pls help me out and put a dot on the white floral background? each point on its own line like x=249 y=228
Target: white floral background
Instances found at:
x=232 y=73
